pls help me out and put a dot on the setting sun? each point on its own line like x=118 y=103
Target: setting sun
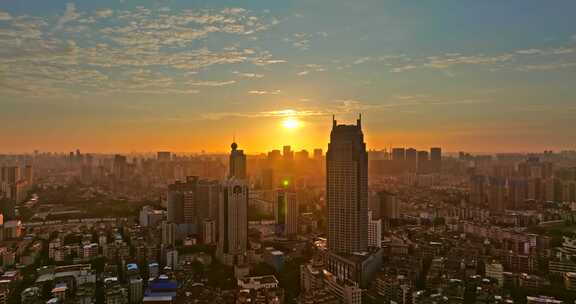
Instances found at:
x=291 y=123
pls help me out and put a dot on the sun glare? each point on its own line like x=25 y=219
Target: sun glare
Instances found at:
x=291 y=123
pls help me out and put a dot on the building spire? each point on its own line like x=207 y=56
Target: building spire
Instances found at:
x=234 y=145
x=333 y=120
x=359 y=121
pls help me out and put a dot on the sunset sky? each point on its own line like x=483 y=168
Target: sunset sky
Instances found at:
x=127 y=75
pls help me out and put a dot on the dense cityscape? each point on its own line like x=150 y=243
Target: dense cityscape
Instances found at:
x=342 y=226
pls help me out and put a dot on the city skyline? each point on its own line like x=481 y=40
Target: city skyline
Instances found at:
x=287 y=152
x=121 y=76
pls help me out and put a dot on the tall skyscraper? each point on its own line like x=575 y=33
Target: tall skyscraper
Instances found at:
x=233 y=212
x=349 y=257
x=347 y=189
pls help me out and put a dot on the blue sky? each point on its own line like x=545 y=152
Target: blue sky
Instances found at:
x=185 y=75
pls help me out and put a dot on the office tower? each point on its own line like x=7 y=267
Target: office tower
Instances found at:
x=374 y=231
x=318 y=154
x=164 y=155
x=233 y=212
x=436 y=159
x=423 y=162
x=347 y=189
x=286 y=212
x=398 y=154
x=411 y=159
x=237 y=165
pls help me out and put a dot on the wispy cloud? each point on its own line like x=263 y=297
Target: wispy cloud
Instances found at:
x=522 y=59
x=155 y=51
x=302 y=41
x=311 y=67
x=547 y=66
x=247 y=75
x=211 y=83
x=104 y=13
x=264 y=92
